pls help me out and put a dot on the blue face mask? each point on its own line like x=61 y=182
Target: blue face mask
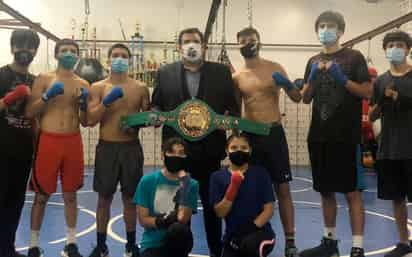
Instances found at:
x=120 y=65
x=327 y=36
x=68 y=60
x=395 y=55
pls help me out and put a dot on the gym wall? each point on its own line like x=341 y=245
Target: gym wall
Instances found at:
x=278 y=21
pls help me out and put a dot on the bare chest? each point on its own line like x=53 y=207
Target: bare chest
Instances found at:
x=257 y=83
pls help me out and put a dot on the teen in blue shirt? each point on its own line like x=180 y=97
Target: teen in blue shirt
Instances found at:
x=243 y=196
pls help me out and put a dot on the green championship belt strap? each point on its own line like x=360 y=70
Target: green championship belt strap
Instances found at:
x=193 y=120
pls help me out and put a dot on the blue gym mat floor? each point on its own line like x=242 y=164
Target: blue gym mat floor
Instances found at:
x=380 y=230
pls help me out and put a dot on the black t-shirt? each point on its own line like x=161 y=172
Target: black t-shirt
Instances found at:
x=336 y=113
x=16 y=134
x=395 y=142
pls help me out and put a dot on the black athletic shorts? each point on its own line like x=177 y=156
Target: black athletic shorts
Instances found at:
x=117 y=162
x=394 y=179
x=272 y=153
x=336 y=167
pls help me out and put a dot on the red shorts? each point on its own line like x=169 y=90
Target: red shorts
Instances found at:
x=58 y=154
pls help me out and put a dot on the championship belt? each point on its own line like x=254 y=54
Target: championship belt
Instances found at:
x=193 y=120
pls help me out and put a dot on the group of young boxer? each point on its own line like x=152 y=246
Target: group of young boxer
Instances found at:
x=41 y=116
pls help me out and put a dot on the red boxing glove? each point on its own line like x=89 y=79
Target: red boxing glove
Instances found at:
x=21 y=91
x=367 y=131
x=234 y=185
x=370 y=136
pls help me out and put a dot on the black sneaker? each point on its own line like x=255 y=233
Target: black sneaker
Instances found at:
x=399 y=251
x=291 y=251
x=100 y=252
x=132 y=251
x=357 y=252
x=71 y=250
x=35 y=252
x=327 y=248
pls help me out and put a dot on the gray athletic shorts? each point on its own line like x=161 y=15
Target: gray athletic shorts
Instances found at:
x=117 y=162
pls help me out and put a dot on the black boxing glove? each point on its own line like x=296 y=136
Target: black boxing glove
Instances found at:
x=164 y=221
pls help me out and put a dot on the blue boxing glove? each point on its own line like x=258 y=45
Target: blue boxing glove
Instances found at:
x=338 y=74
x=116 y=93
x=282 y=81
x=56 y=89
x=314 y=68
x=299 y=83
x=84 y=95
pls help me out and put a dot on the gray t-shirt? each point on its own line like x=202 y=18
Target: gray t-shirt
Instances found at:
x=193 y=81
x=395 y=142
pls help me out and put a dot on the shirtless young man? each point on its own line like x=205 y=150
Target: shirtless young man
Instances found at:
x=119 y=155
x=59 y=102
x=259 y=82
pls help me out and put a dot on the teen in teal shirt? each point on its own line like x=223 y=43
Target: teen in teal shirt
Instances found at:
x=166 y=200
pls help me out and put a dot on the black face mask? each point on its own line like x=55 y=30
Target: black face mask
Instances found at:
x=175 y=164
x=250 y=50
x=23 y=57
x=239 y=158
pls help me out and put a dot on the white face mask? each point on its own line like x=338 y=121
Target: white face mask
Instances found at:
x=328 y=36
x=192 y=52
x=395 y=55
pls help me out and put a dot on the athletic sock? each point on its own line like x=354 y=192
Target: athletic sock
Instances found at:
x=131 y=239
x=290 y=240
x=330 y=233
x=357 y=241
x=34 y=238
x=101 y=240
x=71 y=235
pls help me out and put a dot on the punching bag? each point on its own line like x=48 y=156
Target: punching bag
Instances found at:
x=90 y=69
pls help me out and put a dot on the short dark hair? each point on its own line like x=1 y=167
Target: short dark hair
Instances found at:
x=236 y=135
x=119 y=45
x=167 y=145
x=398 y=35
x=247 y=32
x=331 y=16
x=24 y=38
x=64 y=42
x=191 y=31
